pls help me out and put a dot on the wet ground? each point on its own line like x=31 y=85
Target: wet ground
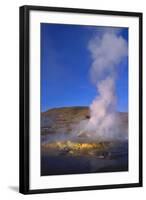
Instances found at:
x=113 y=159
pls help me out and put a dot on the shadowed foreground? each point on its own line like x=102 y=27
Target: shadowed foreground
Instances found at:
x=63 y=154
x=65 y=161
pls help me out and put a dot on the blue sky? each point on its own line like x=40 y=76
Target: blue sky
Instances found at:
x=65 y=65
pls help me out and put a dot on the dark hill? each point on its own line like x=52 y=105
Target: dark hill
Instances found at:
x=61 y=120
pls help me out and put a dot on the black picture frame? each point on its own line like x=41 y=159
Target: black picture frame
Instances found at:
x=25 y=104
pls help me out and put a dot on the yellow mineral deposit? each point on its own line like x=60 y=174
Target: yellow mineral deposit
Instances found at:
x=74 y=147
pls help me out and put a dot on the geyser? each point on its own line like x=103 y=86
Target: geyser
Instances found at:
x=107 y=52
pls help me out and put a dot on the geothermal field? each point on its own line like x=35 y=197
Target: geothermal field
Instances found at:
x=69 y=146
x=95 y=138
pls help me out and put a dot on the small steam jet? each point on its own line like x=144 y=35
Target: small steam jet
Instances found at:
x=84 y=133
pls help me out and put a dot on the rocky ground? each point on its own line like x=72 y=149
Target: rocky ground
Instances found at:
x=63 y=154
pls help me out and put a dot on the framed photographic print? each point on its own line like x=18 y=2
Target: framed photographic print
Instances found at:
x=80 y=99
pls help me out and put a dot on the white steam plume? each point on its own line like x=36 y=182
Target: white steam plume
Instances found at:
x=107 y=51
